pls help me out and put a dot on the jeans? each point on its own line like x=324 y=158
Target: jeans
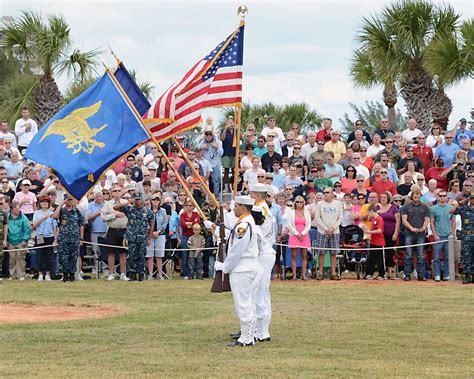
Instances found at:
x=195 y=266
x=45 y=255
x=184 y=257
x=437 y=250
x=216 y=180
x=212 y=260
x=414 y=239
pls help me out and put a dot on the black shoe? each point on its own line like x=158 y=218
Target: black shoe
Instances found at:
x=239 y=344
x=422 y=279
x=406 y=278
x=71 y=277
x=132 y=276
x=268 y=339
x=65 y=277
x=141 y=277
x=235 y=336
x=466 y=279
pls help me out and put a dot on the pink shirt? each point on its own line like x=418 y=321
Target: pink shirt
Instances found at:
x=29 y=206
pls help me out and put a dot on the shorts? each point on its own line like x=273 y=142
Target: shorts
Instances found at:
x=328 y=242
x=228 y=162
x=156 y=248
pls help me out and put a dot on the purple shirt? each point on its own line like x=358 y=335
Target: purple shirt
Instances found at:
x=389 y=220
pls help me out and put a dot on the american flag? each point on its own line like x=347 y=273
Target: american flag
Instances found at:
x=214 y=81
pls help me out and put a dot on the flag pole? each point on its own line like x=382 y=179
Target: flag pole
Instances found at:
x=237 y=148
x=178 y=176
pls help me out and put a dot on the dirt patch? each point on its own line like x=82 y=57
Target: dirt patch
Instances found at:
x=29 y=313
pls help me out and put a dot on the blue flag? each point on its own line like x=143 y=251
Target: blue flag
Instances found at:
x=87 y=135
x=132 y=90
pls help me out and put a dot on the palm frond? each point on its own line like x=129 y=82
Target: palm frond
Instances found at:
x=79 y=65
x=17 y=93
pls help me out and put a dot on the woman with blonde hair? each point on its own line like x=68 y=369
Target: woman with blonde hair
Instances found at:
x=299 y=224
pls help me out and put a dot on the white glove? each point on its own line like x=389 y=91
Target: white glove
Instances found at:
x=208 y=224
x=232 y=205
x=218 y=266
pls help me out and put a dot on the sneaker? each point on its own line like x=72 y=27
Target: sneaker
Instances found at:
x=363 y=260
x=353 y=260
x=123 y=277
x=446 y=278
x=415 y=274
x=406 y=278
x=22 y=278
x=369 y=277
x=437 y=278
x=380 y=277
x=47 y=278
x=111 y=277
x=185 y=278
x=77 y=276
x=40 y=278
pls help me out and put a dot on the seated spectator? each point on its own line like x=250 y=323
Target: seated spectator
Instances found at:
x=334 y=171
x=14 y=167
x=454 y=189
x=292 y=178
x=365 y=159
x=435 y=138
x=6 y=190
x=274 y=130
x=291 y=141
x=423 y=152
x=376 y=147
x=385 y=162
x=338 y=194
x=347 y=160
x=384 y=131
x=360 y=168
x=363 y=137
x=406 y=182
x=309 y=147
x=384 y=184
x=321 y=182
x=336 y=146
x=317 y=157
x=278 y=175
x=462 y=132
x=270 y=139
x=246 y=161
x=270 y=156
x=361 y=189
x=392 y=153
x=436 y=173
x=359 y=140
x=261 y=147
x=410 y=134
x=447 y=150
x=410 y=158
x=430 y=196
x=26 y=200
x=250 y=176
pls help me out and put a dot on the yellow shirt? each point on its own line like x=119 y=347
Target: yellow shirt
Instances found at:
x=338 y=148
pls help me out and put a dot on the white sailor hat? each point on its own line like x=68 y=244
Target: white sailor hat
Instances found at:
x=258 y=187
x=244 y=200
x=256 y=208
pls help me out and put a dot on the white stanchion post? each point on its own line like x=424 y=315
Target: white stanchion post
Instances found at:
x=452 y=274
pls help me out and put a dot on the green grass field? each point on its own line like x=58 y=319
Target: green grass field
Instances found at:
x=179 y=329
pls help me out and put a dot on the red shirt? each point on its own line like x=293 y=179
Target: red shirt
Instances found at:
x=425 y=155
x=184 y=218
x=323 y=135
x=379 y=187
x=435 y=173
x=377 y=239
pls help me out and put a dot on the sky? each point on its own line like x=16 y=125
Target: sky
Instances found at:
x=293 y=52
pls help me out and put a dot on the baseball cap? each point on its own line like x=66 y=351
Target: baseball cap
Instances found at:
x=463 y=121
x=26 y=182
x=137 y=196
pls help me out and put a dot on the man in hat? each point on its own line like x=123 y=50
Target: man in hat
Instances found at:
x=241 y=263
x=212 y=151
x=70 y=237
x=139 y=231
x=467 y=240
x=462 y=132
x=266 y=258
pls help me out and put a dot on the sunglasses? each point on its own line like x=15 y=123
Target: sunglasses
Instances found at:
x=442 y=195
x=337 y=186
x=362 y=150
x=5 y=181
x=156 y=199
x=321 y=143
x=350 y=170
x=327 y=192
x=360 y=181
x=383 y=172
x=297 y=148
x=260 y=176
x=397 y=201
x=388 y=141
x=298 y=201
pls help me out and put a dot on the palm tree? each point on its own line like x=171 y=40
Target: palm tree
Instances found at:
x=396 y=46
x=47 y=44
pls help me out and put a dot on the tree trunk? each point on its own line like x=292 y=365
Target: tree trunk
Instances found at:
x=48 y=100
x=390 y=99
x=442 y=109
x=418 y=91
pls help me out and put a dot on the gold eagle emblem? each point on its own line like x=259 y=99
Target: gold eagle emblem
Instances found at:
x=76 y=131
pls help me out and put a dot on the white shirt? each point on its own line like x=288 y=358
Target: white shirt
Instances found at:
x=24 y=137
x=328 y=215
x=362 y=170
x=307 y=149
x=250 y=176
x=373 y=150
x=110 y=178
x=409 y=135
x=278 y=134
x=10 y=136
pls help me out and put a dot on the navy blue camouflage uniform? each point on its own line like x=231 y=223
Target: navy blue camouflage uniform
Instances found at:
x=139 y=222
x=69 y=223
x=467 y=239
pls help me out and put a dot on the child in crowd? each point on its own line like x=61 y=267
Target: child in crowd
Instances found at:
x=195 y=243
x=377 y=242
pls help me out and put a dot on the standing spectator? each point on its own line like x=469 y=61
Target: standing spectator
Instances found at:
x=423 y=152
x=228 y=155
x=287 y=150
x=360 y=168
x=442 y=225
x=98 y=228
x=299 y=224
x=349 y=181
x=447 y=150
x=188 y=218
x=328 y=216
x=282 y=236
x=261 y=147
x=325 y=133
x=454 y=188
x=462 y=132
x=377 y=242
x=317 y=157
x=206 y=168
x=46 y=230
x=334 y=171
x=3 y=234
x=251 y=175
x=384 y=184
x=385 y=162
x=26 y=200
x=36 y=185
x=309 y=147
x=321 y=181
x=269 y=157
x=435 y=138
x=384 y=131
x=297 y=159
x=14 y=167
x=336 y=146
x=347 y=160
x=249 y=138
x=359 y=125
x=415 y=219
x=19 y=233
x=212 y=152
x=185 y=170
x=196 y=243
x=365 y=159
x=70 y=236
x=270 y=139
x=392 y=153
x=359 y=140
x=410 y=134
x=139 y=231
x=25 y=129
x=360 y=189
x=376 y=147
x=296 y=130
x=409 y=158
x=155 y=251
x=436 y=173
x=271 y=128
x=391 y=221
x=6 y=190
x=4 y=133
x=467 y=238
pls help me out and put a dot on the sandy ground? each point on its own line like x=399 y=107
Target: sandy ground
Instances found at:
x=29 y=313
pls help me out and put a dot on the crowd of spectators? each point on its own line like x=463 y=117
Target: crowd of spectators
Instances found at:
x=390 y=183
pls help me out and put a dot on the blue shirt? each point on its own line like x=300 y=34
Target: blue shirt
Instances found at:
x=460 y=135
x=46 y=228
x=259 y=151
x=447 y=153
x=442 y=219
x=337 y=168
x=14 y=169
x=276 y=211
x=97 y=225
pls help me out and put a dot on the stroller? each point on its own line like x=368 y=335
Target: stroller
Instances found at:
x=352 y=238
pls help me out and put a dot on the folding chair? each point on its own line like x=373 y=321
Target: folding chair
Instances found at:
x=168 y=264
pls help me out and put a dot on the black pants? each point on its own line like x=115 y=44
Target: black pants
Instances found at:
x=45 y=255
x=115 y=237
x=375 y=257
x=389 y=253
